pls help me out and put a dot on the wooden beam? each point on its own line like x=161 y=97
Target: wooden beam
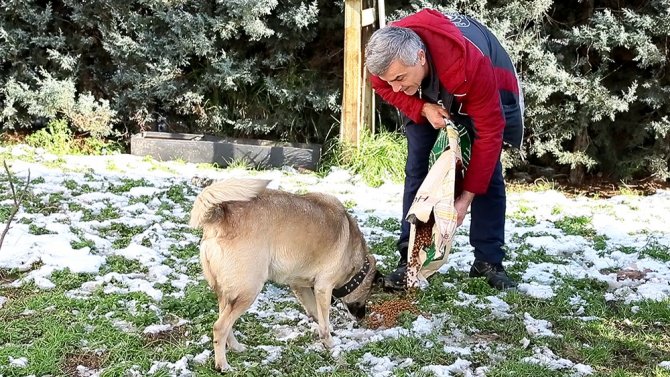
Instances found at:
x=358 y=100
x=367 y=115
x=353 y=61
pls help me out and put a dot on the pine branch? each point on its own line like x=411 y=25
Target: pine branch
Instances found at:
x=17 y=197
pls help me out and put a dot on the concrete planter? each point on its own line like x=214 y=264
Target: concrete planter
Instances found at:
x=199 y=148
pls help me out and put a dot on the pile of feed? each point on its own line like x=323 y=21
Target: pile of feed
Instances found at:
x=423 y=238
x=385 y=314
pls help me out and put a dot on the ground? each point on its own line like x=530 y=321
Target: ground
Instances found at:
x=99 y=275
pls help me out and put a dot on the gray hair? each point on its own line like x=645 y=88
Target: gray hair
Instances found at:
x=390 y=43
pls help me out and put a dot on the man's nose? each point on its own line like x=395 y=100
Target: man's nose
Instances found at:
x=396 y=87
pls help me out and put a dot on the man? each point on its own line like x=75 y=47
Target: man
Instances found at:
x=437 y=68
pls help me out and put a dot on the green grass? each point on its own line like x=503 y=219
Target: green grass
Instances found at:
x=389 y=224
x=239 y=163
x=122 y=265
x=127 y=184
x=57 y=138
x=179 y=193
x=38 y=230
x=576 y=226
x=600 y=242
x=105 y=328
x=656 y=251
x=5 y=212
x=386 y=249
x=622 y=342
x=523 y=215
x=380 y=156
x=121 y=233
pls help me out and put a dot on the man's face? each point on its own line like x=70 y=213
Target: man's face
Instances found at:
x=404 y=78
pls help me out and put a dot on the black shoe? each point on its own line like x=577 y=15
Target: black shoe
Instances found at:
x=398 y=278
x=494 y=273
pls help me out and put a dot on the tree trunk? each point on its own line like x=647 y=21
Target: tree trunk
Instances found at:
x=578 y=172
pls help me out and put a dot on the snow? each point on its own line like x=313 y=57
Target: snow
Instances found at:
x=629 y=223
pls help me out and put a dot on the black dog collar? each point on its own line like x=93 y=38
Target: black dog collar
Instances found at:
x=354 y=282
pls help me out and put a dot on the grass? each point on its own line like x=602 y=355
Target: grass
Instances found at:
x=127 y=184
x=58 y=138
x=389 y=224
x=656 y=250
x=380 y=157
x=576 y=226
x=97 y=319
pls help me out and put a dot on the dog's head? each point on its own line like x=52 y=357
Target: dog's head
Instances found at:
x=357 y=299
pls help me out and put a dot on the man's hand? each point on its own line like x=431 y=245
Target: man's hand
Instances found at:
x=462 y=204
x=435 y=114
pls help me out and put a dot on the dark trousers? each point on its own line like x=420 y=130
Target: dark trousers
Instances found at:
x=487 y=216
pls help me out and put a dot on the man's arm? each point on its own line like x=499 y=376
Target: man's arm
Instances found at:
x=431 y=112
x=482 y=104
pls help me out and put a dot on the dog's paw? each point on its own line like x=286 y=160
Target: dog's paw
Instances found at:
x=328 y=342
x=222 y=367
x=237 y=347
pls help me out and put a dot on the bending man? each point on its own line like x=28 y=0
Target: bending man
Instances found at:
x=434 y=68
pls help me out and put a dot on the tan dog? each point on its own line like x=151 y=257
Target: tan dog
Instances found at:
x=252 y=234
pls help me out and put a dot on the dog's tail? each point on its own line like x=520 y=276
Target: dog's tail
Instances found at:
x=233 y=189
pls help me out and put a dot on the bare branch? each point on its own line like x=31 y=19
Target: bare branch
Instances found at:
x=18 y=199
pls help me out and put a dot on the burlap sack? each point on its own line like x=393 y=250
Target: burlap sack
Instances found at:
x=432 y=215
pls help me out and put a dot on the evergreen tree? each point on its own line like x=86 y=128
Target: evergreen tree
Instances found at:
x=239 y=68
x=594 y=76
x=594 y=72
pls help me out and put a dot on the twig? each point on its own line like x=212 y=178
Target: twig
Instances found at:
x=18 y=199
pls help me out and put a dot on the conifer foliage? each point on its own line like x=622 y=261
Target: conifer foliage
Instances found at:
x=595 y=77
x=236 y=67
x=594 y=72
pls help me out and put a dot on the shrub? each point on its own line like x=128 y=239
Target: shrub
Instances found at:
x=379 y=157
x=55 y=138
x=53 y=98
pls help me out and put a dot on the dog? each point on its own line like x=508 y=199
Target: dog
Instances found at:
x=309 y=242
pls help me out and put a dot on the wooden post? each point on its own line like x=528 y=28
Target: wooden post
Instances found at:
x=357 y=96
x=353 y=60
x=367 y=95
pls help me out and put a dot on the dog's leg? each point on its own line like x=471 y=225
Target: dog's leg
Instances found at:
x=220 y=362
x=223 y=327
x=207 y=248
x=232 y=342
x=210 y=249
x=306 y=298
x=323 y=295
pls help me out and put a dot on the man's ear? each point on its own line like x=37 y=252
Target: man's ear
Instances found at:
x=422 y=57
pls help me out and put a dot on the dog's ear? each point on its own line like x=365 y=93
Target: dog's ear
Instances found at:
x=358 y=310
x=379 y=279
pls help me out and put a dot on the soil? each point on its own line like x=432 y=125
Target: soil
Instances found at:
x=599 y=187
x=89 y=359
